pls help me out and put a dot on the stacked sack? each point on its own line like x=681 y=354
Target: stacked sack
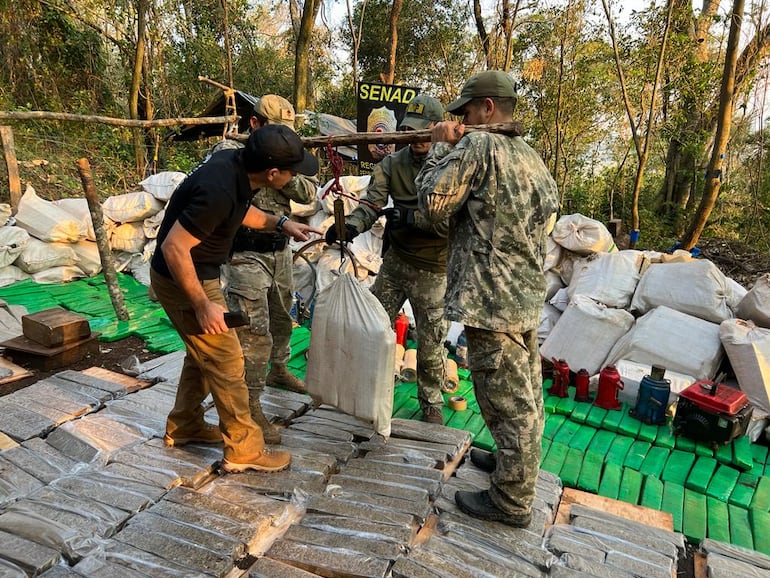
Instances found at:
x=633 y=309
x=55 y=241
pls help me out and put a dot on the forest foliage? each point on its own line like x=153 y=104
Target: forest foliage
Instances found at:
x=585 y=69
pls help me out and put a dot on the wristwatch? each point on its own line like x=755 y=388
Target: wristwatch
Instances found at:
x=281 y=222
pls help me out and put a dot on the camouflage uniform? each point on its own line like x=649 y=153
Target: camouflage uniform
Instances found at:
x=259 y=282
x=499 y=195
x=413 y=268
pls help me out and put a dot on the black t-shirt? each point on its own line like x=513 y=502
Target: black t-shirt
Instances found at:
x=210 y=204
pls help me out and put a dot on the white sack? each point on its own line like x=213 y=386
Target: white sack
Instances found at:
x=140 y=269
x=58 y=275
x=10 y=274
x=303 y=209
x=162 y=185
x=367 y=248
x=13 y=240
x=695 y=287
x=131 y=207
x=329 y=269
x=560 y=299
x=5 y=214
x=151 y=225
x=351 y=185
x=582 y=235
x=78 y=208
x=675 y=340
x=46 y=221
x=755 y=305
x=585 y=333
x=735 y=294
x=553 y=283
x=548 y=319
x=633 y=373
x=128 y=237
x=748 y=348
x=38 y=256
x=569 y=261
x=88 y=259
x=609 y=278
x=351 y=360
x=553 y=254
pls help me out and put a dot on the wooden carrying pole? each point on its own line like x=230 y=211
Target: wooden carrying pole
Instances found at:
x=102 y=243
x=404 y=137
x=399 y=137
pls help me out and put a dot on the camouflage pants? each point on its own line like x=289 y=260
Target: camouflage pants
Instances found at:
x=261 y=285
x=508 y=384
x=398 y=281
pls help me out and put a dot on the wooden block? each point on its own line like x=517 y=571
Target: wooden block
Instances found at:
x=55 y=327
x=633 y=512
x=17 y=372
x=24 y=350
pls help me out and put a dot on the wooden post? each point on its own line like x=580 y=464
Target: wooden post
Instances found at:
x=102 y=243
x=14 y=183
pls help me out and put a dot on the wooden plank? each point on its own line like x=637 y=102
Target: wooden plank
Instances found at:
x=12 y=165
x=17 y=372
x=7 y=442
x=700 y=568
x=24 y=350
x=131 y=383
x=633 y=512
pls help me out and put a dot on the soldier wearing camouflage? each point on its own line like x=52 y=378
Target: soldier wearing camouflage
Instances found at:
x=414 y=266
x=258 y=280
x=499 y=196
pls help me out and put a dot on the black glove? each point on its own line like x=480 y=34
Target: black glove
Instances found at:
x=399 y=217
x=331 y=234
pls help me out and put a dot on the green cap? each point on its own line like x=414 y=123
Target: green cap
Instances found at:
x=490 y=83
x=421 y=111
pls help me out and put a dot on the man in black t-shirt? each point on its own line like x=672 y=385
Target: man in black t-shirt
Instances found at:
x=194 y=240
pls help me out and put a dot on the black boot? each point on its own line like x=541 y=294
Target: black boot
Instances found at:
x=486 y=461
x=479 y=505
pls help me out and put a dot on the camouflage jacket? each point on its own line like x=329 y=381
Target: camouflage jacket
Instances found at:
x=499 y=196
x=424 y=244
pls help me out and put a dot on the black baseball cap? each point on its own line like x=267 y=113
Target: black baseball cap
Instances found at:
x=277 y=146
x=490 y=83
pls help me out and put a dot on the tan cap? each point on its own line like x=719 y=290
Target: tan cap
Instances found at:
x=276 y=109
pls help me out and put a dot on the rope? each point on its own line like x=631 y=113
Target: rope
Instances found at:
x=336 y=163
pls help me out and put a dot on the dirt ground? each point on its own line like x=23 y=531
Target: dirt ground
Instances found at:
x=111 y=356
x=737 y=260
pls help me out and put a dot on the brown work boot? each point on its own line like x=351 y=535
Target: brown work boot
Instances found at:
x=269 y=432
x=433 y=414
x=265 y=461
x=280 y=376
x=210 y=434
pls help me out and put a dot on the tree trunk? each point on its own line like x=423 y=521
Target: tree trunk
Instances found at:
x=302 y=81
x=102 y=243
x=482 y=31
x=388 y=77
x=136 y=84
x=724 y=122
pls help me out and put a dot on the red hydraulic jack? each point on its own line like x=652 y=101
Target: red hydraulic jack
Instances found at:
x=609 y=385
x=560 y=378
x=581 y=385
